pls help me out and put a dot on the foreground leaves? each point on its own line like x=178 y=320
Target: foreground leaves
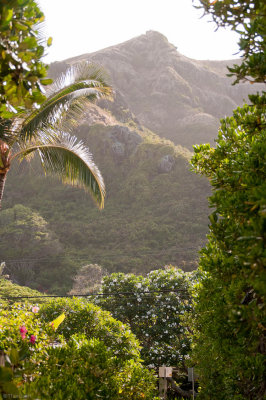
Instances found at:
x=230 y=310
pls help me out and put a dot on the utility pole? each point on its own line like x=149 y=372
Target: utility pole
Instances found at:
x=164 y=372
x=2 y=358
x=191 y=378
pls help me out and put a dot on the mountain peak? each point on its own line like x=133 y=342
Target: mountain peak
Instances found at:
x=150 y=41
x=155 y=35
x=176 y=97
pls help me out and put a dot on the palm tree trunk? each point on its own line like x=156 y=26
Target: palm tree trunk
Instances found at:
x=2 y=186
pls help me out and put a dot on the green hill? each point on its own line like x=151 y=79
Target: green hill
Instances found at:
x=155 y=212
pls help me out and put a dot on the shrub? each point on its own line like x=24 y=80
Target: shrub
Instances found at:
x=88 y=369
x=156 y=317
x=90 y=354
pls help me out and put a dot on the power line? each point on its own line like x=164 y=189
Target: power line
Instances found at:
x=94 y=294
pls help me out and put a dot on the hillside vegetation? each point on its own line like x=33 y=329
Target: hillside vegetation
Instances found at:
x=156 y=208
x=155 y=212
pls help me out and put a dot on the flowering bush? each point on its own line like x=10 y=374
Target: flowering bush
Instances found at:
x=70 y=349
x=156 y=318
x=23 y=342
x=20 y=325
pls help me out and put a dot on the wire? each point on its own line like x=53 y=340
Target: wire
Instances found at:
x=93 y=294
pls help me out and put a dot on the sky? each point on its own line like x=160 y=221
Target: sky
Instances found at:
x=85 y=26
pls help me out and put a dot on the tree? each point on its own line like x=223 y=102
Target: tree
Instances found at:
x=38 y=124
x=154 y=306
x=248 y=18
x=229 y=303
x=46 y=131
x=88 y=279
x=22 y=73
x=100 y=358
x=229 y=337
x=38 y=258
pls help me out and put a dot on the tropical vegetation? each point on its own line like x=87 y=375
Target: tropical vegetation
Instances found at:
x=124 y=236
x=69 y=349
x=42 y=131
x=156 y=307
x=153 y=306
x=73 y=349
x=33 y=123
x=22 y=45
x=248 y=19
x=229 y=343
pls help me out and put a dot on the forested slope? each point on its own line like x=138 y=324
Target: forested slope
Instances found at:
x=156 y=209
x=155 y=212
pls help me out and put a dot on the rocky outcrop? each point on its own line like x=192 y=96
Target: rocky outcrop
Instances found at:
x=166 y=163
x=124 y=141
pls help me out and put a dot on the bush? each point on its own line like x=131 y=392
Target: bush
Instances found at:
x=88 y=369
x=85 y=318
x=23 y=344
x=90 y=355
x=230 y=336
x=156 y=318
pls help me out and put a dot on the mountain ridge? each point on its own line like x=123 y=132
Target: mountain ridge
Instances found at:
x=164 y=89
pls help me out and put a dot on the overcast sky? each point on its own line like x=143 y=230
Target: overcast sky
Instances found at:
x=84 y=26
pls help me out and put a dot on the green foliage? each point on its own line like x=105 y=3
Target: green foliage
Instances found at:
x=100 y=352
x=19 y=315
x=155 y=318
x=45 y=132
x=230 y=310
x=248 y=18
x=34 y=241
x=86 y=318
x=91 y=371
x=150 y=218
x=22 y=74
x=9 y=289
x=94 y=357
x=23 y=342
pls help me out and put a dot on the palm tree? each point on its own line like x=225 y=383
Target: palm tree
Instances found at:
x=47 y=131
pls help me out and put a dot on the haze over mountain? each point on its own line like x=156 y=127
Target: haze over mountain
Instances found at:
x=176 y=97
x=156 y=208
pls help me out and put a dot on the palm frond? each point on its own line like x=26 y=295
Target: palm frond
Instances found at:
x=83 y=71
x=63 y=156
x=41 y=33
x=81 y=84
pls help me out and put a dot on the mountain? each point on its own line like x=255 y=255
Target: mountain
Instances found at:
x=176 y=97
x=156 y=208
